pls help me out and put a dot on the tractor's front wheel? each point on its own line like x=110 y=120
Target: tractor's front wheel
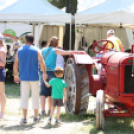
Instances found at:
x=100 y=99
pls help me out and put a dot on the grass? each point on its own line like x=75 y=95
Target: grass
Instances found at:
x=75 y=118
x=12 y=90
x=113 y=126
x=74 y=124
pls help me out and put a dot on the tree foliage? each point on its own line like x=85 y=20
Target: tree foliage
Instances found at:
x=71 y=5
x=58 y=3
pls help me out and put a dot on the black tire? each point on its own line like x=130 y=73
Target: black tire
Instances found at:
x=76 y=77
x=100 y=99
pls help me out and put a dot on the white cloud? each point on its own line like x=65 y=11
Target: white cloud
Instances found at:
x=6 y=3
x=82 y=4
x=85 y=4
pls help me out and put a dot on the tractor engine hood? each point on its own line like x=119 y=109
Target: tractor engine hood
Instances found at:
x=113 y=57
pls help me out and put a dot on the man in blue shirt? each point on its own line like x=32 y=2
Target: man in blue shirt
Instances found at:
x=28 y=60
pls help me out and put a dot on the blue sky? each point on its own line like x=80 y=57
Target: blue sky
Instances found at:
x=5 y=3
x=82 y=4
x=85 y=4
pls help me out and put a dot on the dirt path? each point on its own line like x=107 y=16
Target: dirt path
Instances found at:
x=11 y=125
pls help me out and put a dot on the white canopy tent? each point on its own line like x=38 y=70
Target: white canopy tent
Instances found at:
x=35 y=12
x=111 y=13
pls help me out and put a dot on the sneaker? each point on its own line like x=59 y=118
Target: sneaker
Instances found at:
x=49 y=112
x=57 y=122
x=23 y=121
x=49 y=122
x=43 y=113
x=38 y=119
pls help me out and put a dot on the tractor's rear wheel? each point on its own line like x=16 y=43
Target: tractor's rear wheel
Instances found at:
x=76 y=77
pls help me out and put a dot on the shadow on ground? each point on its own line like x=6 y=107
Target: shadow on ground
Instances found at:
x=87 y=125
x=17 y=127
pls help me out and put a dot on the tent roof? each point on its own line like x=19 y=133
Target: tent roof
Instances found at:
x=111 y=12
x=34 y=11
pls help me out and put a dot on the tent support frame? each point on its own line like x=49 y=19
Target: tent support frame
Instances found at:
x=70 y=46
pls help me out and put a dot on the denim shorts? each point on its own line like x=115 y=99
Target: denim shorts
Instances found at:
x=45 y=91
x=2 y=75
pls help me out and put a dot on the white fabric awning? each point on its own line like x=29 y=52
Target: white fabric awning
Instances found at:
x=34 y=11
x=109 y=13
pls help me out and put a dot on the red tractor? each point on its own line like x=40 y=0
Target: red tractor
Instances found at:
x=113 y=85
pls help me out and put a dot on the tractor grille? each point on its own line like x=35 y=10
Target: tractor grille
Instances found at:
x=129 y=80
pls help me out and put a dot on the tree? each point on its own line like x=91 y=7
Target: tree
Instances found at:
x=71 y=7
x=58 y=3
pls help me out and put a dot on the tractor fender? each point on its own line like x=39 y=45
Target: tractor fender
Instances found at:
x=82 y=58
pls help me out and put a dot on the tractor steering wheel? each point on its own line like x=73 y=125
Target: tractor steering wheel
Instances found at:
x=103 y=47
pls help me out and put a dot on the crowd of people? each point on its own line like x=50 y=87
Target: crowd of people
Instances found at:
x=40 y=71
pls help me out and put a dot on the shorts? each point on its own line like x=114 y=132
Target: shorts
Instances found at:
x=57 y=102
x=45 y=91
x=2 y=75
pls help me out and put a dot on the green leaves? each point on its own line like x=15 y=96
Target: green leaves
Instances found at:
x=58 y=3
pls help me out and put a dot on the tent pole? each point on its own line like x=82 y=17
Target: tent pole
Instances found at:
x=84 y=36
x=133 y=35
x=100 y=33
x=34 y=29
x=38 y=35
x=5 y=29
x=75 y=35
x=81 y=36
x=70 y=36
